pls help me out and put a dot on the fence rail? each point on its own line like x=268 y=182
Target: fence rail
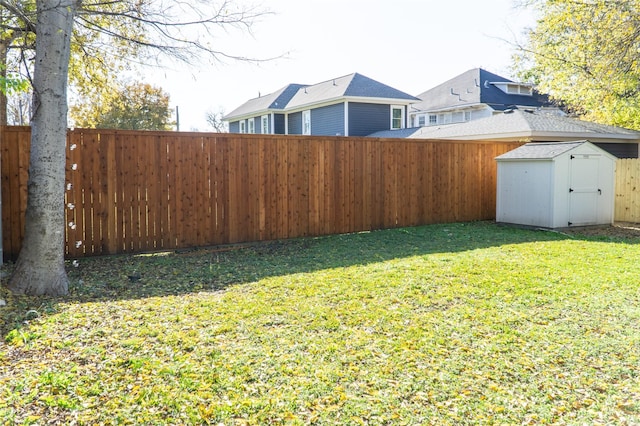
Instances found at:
x=152 y=191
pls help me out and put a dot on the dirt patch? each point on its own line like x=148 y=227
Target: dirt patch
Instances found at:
x=617 y=230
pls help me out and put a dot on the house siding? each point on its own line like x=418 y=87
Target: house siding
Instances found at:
x=278 y=124
x=620 y=150
x=365 y=119
x=256 y=124
x=328 y=120
x=295 y=123
x=234 y=127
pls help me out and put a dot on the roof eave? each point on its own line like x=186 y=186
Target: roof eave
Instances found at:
x=341 y=99
x=251 y=114
x=475 y=105
x=593 y=137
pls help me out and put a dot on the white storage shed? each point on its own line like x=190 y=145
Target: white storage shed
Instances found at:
x=556 y=185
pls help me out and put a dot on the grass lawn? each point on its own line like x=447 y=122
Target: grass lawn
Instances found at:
x=446 y=325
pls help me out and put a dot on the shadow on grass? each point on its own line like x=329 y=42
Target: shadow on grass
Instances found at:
x=214 y=269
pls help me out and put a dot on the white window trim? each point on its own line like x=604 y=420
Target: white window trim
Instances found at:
x=263 y=119
x=402 y=123
x=243 y=126
x=346 y=118
x=306 y=122
x=252 y=125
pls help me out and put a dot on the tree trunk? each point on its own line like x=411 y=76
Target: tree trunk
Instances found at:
x=40 y=268
x=3 y=75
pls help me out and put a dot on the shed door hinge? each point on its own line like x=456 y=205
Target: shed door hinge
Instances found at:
x=569 y=223
x=570 y=189
x=571 y=157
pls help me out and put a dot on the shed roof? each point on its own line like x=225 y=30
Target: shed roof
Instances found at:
x=540 y=150
x=548 y=150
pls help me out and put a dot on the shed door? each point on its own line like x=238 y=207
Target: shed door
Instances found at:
x=584 y=191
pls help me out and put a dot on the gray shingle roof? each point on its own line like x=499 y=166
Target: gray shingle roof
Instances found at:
x=475 y=87
x=398 y=133
x=349 y=86
x=540 y=151
x=527 y=125
x=276 y=100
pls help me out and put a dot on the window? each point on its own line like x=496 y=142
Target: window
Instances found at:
x=467 y=116
x=433 y=119
x=422 y=120
x=265 y=125
x=397 y=117
x=243 y=126
x=306 y=122
x=252 y=125
x=519 y=89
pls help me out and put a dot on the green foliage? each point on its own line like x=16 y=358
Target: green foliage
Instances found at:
x=447 y=324
x=585 y=53
x=114 y=38
x=103 y=44
x=136 y=106
x=14 y=84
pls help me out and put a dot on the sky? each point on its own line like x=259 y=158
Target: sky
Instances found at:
x=411 y=45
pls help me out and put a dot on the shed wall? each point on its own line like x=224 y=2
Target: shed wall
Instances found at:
x=524 y=194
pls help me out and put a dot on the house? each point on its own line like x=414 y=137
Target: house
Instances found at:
x=352 y=105
x=516 y=125
x=472 y=95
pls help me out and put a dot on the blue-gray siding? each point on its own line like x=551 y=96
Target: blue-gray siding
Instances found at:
x=328 y=120
x=279 y=124
x=620 y=150
x=295 y=123
x=234 y=127
x=365 y=119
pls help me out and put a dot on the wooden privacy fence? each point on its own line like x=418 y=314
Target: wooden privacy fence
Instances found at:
x=627 y=202
x=151 y=191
